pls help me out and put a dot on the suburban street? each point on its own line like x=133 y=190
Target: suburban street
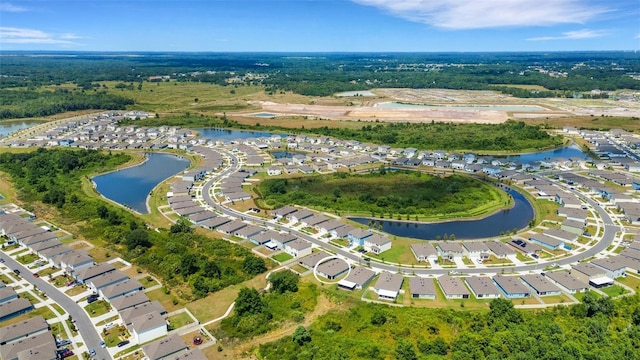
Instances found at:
x=609 y=234
x=83 y=323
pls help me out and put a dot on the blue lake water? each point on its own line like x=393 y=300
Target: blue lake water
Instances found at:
x=572 y=151
x=264 y=115
x=397 y=105
x=8 y=127
x=285 y=154
x=517 y=217
x=228 y=135
x=131 y=186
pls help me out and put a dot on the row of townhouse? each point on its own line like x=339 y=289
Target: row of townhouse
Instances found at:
x=28 y=339
x=428 y=252
x=370 y=241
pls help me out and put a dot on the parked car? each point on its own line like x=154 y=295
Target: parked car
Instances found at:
x=16 y=271
x=197 y=340
x=103 y=344
x=64 y=342
x=92 y=352
x=71 y=283
x=123 y=343
x=36 y=275
x=91 y=299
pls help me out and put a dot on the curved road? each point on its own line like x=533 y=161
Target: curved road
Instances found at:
x=609 y=234
x=85 y=327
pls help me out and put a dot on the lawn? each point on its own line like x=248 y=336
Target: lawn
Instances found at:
x=408 y=194
x=114 y=335
x=614 y=290
x=282 y=257
x=75 y=290
x=179 y=320
x=631 y=281
x=559 y=299
x=167 y=300
x=299 y=268
x=60 y=281
x=148 y=281
x=98 y=308
x=580 y=296
x=27 y=258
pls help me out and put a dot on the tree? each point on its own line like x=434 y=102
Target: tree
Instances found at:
x=301 y=336
x=404 y=351
x=501 y=311
x=249 y=302
x=253 y=265
x=436 y=346
x=136 y=238
x=378 y=318
x=188 y=265
x=283 y=281
x=181 y=226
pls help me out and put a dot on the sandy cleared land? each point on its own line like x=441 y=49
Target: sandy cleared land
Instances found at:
x=448 y=106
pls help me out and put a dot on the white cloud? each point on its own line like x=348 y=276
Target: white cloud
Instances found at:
x=477 y=14
x=7 y=7
x=11 y=35
x=573 y=35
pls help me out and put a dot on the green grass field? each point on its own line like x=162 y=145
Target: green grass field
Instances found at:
x=398 y=195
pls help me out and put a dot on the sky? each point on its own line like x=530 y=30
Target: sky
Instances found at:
x=320 y=25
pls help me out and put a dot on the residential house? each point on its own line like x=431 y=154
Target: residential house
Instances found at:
x=84 y=274
x=501 y=250
x=449 y=250
x=388 y=285
x=128 y=315
x=23 y=329
x=36 y=347
x=591 y=274
x=128 y=301
x=168 y=348
x=511 y=287
x=7 y=293
x=613 y=269
x=357 y=236
x=424 y=252
x=107 y=279
x=298 y=248
x=358 y=278
x=147 y=327
x=13 y=308
x=482 y=287
x=546 y=241
x=567 y=282
x=453 y=287
x=377 y=243
x=540 y=284
x=122 y=288
x=332 y=269
x=422 y=288
x=475 y=249
x=231 y=227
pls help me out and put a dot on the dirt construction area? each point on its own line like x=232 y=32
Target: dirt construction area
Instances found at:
x=440 y=105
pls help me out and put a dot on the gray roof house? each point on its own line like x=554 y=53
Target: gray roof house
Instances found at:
x=82 y=275
x=482 y=287
x=540 y=284
x=127 y=315
x=422 y=288
x=358 y=278
x=7 y=294
x=567 y=281
x=453 y=287
x=122 y=288
x=24 y=329
x=128 y=301
x=511 y=287
x=14 y=308
x=424 y=252
x=41 y=347
x=107 y=279
x=166 y=348
x=333 y=268
x=388 y=285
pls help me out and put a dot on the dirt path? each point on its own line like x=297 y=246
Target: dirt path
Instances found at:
x=324 y=306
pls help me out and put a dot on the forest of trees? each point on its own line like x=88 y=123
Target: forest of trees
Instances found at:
x=28 y=103
x=177 y=255
x=597 y=329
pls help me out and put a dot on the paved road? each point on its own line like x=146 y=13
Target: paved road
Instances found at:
x=609 y=234
x=83 y=323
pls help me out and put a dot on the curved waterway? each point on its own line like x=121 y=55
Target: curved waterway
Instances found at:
x=9 y=127
x=506 y=220
x=131 y=186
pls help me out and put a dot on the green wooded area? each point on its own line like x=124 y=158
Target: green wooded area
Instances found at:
x=177 y=255
x=598 y=329
x=381 y=193
x=29 y=103
x=508 y=136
